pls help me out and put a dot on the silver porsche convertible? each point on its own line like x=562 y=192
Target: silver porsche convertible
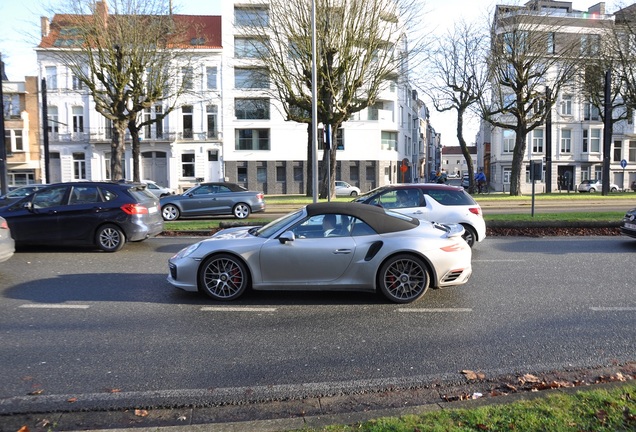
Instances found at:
x=327 y=246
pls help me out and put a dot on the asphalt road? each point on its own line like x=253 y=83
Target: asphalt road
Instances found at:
x=107 y=330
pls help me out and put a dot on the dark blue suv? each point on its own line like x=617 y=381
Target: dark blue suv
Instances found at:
x=100 y=214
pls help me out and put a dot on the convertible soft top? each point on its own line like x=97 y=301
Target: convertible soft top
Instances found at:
x=373 y=216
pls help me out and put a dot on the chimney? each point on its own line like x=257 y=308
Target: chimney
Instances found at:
x=598 y=8
x=101 y=10
x=45 y=26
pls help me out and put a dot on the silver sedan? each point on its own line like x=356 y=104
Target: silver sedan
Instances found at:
x=331 y=246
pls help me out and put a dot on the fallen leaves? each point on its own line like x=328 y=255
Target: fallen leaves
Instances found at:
x=472 y=376
x=141 y=413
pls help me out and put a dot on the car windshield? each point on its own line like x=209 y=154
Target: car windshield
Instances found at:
x=274 y=226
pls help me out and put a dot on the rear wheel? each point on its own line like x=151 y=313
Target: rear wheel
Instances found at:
x=110 y=238
x=469 y=235
x=592 y=190
x=241 y=211
x=403 y=278
x=170 y=212
x=223 y=277
x=613 y=189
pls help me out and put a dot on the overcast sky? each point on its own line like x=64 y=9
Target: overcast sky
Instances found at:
x=20 y=31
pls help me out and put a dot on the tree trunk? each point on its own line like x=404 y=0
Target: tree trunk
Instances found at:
x=310 y=161
x=117 y=147
x=462 y=144
x=136 y=144
x=517 y=162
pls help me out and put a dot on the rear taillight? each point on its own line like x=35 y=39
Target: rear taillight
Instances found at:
x=475 y=210
x=4 y=225
x=454 y=247
x=134 y=209
x=260 y=196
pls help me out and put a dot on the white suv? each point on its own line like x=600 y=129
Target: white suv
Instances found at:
x=432 y=202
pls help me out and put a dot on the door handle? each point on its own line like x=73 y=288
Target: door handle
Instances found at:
x=342 y=251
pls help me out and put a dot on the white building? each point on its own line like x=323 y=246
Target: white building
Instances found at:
x=227 y=129
x=577 y=129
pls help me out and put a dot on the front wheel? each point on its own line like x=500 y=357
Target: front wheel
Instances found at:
x=223 y=277
x=110 y=238
x=354 y=193
x=403 y=278
x=241 y=211
x=170 y=212
x=613 y=189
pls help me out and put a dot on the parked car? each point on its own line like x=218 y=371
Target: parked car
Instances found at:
x=592 y=186
x=18 y=193
x=375 y=250
x=100 y=214
x=207 y=199
x=433 y=202
x=344 y=188
x=628 y=224
x=7 y=244
x=156 y=189
x=466 y=182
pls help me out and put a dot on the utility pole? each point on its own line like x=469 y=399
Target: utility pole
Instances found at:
x=4 y=188
x=607 y=133
x=45 y=133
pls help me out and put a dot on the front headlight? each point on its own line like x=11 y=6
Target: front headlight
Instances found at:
x=187 y=251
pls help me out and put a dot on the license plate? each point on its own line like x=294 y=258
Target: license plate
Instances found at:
x=152 y=210
x=630 y=226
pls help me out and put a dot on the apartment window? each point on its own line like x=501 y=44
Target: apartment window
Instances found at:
x=631 y=156
x=251 y=78
x=508 y=140
x=251 y=17
x=79 y=166
x=618 y=151
x=108 y=128
x=251 y=109
x=210 y=77
x=586 y=141
x=187 y=165
x=248 y=48
x=159 y=123
x=51 y=77
x=591 y=112
x=354 y=173
x=212 y=117
x=213 y=156
x=11 y=105
x=252 y=139
x=566 y=141
x=389 y=140
x=590 y=44
x=280 y=174
x=537 y=141
x=339 y=139
x=595 y=141
x=187 y=76
x=261 y=174
x=52 y=116
x=566 y=105
x=373 y=111
x=507 y=174
x=77 y=83
x=241 y=174
x=186 y=112
x=147 y=119
x=78 y=120
x=550 y=43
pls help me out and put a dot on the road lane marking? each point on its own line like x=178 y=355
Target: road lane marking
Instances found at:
x=54 y=306
x=236 y=309
x=427 y=310
x=613 y=309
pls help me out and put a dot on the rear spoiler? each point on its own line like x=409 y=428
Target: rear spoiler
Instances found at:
x=452 y=230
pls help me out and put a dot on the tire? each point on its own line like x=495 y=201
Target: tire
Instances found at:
x=223 y=277
x=110 y=238
x=592 y=190
x=403 y=278
x=170 y=212
x=470 y=235
x=353 y=193
x=613 y=189
x=241 y=211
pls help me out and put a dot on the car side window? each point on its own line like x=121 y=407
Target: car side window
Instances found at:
x=50 y=197
x=223 y=189
x=203 y=190
x=85 y=195
x=324 y=225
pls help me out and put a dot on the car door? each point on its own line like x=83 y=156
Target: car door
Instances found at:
x=85 y=211
x=309 y=259
x=36 y=220
x=199 y=201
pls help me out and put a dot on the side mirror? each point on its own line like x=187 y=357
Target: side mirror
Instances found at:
x=287 y=236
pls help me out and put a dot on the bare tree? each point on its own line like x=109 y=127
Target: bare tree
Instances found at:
x=458 y=78
x=530 y=60
x=127 y=59
x=361 y=49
